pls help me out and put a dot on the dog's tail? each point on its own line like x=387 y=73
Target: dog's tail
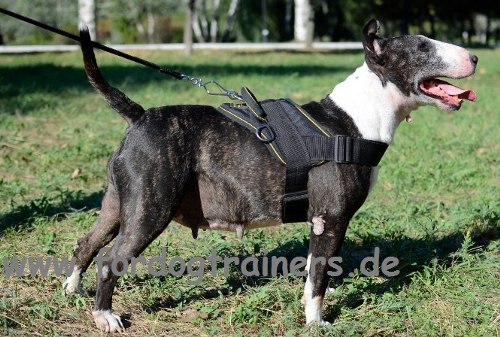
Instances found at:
x=127 y=108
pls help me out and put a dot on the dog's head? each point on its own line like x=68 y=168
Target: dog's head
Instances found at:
x=414 y=63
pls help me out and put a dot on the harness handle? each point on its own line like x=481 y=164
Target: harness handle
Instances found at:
x=253 y=104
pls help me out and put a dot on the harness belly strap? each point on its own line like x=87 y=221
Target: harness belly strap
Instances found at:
x=295 y=201
x=294 y=138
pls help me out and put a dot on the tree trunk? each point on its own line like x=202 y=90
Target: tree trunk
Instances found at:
x=188 y=28
x=207 y=21
x=288 y=17
x=151 y=26
x=203 y=19
x=214 y=23
x=231 y=18
x=264 y=31
x=196 y=28
x=481 y=27
x=86 y=14
x=304 y=22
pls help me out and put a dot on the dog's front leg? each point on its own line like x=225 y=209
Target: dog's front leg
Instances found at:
x=327 y=234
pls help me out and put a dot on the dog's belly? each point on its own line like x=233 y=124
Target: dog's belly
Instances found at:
x=218 y=205
x=238 y=228
x=235 y=227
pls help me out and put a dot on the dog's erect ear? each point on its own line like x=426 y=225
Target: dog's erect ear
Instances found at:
x=370 y=37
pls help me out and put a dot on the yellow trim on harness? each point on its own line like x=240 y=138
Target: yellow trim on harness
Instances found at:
x=253 y=127
x=256 y=115
x=315 y=124
x=241 y=119
x=311 y=120
x=252 y=98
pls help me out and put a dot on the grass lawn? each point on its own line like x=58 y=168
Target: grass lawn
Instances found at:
x=436 y=207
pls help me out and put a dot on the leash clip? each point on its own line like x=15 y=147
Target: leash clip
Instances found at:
x=218 y=91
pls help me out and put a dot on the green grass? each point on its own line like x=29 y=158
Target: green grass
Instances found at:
x=436 y=207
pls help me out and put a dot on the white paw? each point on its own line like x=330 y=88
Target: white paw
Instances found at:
x=72 y=283
x=106 y=321
x=319 y=323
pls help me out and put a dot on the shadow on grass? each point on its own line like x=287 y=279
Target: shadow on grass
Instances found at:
x=29 y=86
x=414 y=255
x=23 y=217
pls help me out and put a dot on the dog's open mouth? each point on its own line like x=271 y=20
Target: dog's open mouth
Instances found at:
x=446 y=92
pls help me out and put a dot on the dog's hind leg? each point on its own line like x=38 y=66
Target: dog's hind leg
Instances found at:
x=104 y=230
x=147 y=205
x=137 y=232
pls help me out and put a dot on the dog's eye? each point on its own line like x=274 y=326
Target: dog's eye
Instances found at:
x=423 y=46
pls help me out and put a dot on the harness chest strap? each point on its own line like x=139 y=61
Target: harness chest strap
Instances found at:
x=299 y=142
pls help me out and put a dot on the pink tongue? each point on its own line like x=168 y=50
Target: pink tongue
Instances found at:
x=455 y=91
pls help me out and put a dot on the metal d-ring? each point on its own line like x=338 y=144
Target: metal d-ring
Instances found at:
x=262 y=137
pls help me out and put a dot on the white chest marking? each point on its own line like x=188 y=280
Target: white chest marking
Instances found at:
x=375 y=109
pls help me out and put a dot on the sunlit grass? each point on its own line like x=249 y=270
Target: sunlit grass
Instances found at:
x=436 y=206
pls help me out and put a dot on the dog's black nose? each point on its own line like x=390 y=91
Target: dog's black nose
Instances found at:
x=474 y=59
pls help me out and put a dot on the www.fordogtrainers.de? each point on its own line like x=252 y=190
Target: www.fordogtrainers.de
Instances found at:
x=195 y=267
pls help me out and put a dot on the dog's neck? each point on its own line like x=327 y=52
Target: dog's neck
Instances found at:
x=377 y=110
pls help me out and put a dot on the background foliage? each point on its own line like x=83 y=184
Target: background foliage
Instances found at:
x=120 y=21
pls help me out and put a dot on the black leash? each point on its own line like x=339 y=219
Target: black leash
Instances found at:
x=219 y=89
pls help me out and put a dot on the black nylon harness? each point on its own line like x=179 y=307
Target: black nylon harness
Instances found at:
x=299 y=142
